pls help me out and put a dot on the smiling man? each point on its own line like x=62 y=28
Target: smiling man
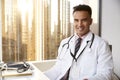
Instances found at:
x=83 y=56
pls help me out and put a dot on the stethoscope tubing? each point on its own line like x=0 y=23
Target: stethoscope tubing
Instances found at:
x=68 y=42
x=74 y=58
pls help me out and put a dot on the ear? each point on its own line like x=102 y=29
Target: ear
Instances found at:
x=91 y=20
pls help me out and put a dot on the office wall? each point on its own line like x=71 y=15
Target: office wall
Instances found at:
x=0 y=34
x=110 y=29
x=0 y=42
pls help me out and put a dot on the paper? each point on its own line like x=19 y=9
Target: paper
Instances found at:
x=8 y=73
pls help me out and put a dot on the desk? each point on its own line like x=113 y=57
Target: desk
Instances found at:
x=36 y=75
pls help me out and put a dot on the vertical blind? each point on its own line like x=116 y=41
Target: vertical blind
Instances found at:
x=33 y=29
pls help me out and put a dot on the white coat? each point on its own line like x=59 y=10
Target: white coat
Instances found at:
x=93 y=64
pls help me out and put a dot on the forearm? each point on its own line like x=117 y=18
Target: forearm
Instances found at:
x=101 y=76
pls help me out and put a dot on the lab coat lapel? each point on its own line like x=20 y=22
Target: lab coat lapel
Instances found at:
x=84 y=44
x=69 y=57
x=72 y=45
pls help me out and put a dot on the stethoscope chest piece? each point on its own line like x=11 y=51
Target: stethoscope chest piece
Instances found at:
x=89 y=50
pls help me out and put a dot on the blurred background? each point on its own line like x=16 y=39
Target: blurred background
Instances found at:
x=31 y=30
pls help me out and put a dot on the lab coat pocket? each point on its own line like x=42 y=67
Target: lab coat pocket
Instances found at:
x=89 y=63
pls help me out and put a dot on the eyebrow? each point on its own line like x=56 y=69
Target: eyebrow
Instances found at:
x=81 y=19
x=84 y=18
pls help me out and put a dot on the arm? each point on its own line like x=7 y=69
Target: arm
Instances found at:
x=105 y=63
x=54 y=72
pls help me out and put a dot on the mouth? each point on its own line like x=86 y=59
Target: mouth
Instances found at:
x=80 y=28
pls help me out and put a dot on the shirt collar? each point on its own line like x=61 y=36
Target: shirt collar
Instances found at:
x=83 y=37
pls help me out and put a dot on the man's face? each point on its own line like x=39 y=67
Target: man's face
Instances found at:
x=82 y=22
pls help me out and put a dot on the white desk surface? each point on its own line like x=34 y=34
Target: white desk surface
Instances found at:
x=36 y=75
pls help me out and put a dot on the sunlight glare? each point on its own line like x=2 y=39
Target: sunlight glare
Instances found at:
x=26 y=7
x=54 y=14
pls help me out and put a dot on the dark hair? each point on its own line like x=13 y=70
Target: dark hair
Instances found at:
x=82 y=7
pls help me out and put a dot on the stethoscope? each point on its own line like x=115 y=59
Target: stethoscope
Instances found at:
x=67 y=43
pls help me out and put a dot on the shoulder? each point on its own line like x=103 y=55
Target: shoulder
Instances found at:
x=100 y=42
x=65 y=40
x=100 y=39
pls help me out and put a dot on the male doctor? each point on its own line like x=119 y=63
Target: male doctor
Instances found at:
x=92 y=61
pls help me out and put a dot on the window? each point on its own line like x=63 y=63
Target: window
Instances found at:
x=32 y=29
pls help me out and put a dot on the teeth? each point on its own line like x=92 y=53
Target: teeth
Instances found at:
x=80 y=29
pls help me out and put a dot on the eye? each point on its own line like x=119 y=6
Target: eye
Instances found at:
x=75 y=20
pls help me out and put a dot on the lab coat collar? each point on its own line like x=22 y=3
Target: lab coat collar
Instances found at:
x=72 y=44
x=86 y=38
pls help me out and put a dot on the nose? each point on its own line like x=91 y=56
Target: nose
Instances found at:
x=79 y=23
